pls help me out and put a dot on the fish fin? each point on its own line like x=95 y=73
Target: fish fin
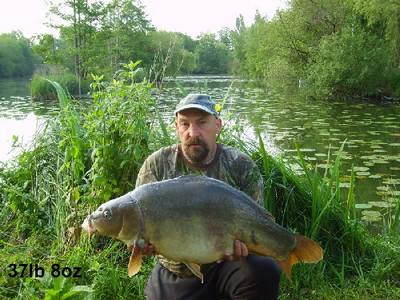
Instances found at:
x=306 y=251
x=286 y=265
x=196 y=270
x=135 y=262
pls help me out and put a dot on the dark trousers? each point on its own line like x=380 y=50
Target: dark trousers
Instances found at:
x=251 y=278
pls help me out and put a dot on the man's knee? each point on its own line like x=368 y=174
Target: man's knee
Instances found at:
x=264 y=267
x=256 y=277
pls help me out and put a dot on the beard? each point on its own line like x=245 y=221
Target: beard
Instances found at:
x=196 y=154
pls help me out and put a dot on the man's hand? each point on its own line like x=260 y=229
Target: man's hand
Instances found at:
x=147 y=249
x=239 y=250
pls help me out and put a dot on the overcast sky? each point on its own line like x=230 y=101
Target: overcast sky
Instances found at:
x=188 y=16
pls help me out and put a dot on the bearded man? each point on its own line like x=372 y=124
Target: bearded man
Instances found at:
x=239 y=275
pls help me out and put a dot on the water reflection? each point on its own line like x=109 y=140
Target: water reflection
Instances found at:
x=19 y=115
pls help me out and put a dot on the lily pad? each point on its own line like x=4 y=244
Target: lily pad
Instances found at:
x=307 y=150
x=363 y=205
x=379 y=151
x=382 y=204
x=383 y=188
x=371 y=216
x=360 y=169
x=344 y=184
x=363 y=173
x=380 y=161
x=391 y=181
x=323 y=166
x=376 y=176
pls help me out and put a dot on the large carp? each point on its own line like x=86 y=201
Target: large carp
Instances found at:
x=195 y=220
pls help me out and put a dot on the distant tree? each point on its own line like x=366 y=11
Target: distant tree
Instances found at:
x=170 y=58
x=213 y=56
x=238 y=36
x=359 y=68
x=331 y=47
x=78 y=28
x=225 y=37
x=122 y=36
x=50 y=49
x=16 y=55
x=383 y=18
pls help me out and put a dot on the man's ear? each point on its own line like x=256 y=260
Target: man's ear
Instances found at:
x=219 y=125
x=176 y=125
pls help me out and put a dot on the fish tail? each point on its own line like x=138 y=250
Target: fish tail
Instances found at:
x=306 y=251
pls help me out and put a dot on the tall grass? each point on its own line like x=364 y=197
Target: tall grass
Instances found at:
x=42 y=89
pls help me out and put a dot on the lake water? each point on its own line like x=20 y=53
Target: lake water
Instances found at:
x=371 y=131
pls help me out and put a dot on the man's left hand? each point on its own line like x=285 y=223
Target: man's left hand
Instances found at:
x=239 y=250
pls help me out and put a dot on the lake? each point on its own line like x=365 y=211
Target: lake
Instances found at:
x=371 y=131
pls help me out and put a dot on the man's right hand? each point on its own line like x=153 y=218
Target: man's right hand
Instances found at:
x=147 y=249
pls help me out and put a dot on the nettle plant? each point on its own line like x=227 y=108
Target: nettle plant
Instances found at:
x=117 y=125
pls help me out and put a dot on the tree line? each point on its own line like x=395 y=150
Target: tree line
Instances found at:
x=327 y=48
x=97 y=38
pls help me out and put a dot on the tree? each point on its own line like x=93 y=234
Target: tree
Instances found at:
x=213 y=56
x=16 y=55
x=80 y=18
x=170 y=58
x=333 y=47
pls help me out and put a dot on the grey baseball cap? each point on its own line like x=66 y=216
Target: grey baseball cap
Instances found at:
x=199 y=101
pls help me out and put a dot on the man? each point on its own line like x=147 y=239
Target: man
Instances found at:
x=238 y=275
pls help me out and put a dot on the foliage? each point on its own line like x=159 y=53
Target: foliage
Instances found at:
x=213 y=56
x=101 y=37
x=118 y=122
x=42 y=89
x=98 y=37
x=353 y=70
x=49 y=49
x=45 y=194
x=170 y=56
x=16 y=56
x=327 y=48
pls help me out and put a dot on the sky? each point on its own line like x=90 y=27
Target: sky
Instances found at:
x=187 y=16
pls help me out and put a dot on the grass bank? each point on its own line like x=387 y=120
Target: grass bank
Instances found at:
x=83 y=159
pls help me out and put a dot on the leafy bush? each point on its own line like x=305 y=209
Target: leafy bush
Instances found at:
x=118 y=126
x=351 y=63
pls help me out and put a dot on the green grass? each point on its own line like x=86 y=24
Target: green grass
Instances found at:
x=42 y=89
x=85 y=158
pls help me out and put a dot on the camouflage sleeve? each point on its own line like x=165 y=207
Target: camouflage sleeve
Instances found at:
x=250 y=179
x=149 y=171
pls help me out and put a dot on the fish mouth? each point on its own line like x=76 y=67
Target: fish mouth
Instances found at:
x=88 y=226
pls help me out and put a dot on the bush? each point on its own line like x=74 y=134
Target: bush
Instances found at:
x=351 y=63
x=41 y=89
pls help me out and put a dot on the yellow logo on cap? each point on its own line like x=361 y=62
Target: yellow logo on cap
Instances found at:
x=218 y=107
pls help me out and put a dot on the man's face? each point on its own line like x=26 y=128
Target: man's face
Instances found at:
x=197 y=132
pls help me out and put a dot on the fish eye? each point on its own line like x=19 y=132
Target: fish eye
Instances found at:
x=107 y=214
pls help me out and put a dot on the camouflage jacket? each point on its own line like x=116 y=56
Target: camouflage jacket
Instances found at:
x=229 y=165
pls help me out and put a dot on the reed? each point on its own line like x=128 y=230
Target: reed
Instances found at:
x=42 y=89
